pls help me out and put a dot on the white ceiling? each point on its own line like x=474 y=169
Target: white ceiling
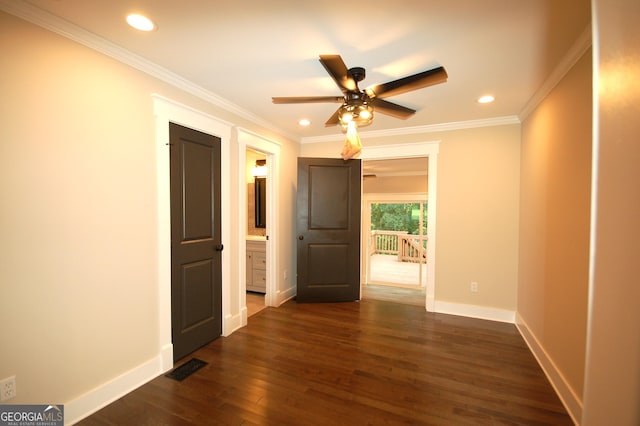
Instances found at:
x=248 y=51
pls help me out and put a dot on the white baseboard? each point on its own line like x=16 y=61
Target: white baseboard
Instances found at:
x=283 y=296
x=105 y=394
x=244 y=314
x=569 y=399
x=166 y=358
x=431 y=303
x=474 y=311
x=233 y=323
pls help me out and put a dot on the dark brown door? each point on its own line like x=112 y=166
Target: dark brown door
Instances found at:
x=328 y=228
x=196 y=244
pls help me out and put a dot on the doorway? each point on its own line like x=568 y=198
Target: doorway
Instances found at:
x=395 y=230
x=167 y=111
x=257 y=200
x=269 y=151
x=428 y=151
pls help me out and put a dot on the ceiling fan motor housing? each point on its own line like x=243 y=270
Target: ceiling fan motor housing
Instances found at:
x=355 y=98
x=357 y=73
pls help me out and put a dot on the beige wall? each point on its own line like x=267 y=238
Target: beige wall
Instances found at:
x=612 y=385
x=78 y=258
x=477 y=211
x=478 y=192
x=396 y=184
x=554 y=222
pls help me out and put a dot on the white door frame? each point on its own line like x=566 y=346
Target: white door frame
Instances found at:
x=420 y=149
x=248 y=139
x=167 y=111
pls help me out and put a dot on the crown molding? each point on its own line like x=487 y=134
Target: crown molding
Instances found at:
x=68 y=30
x=430 y=128
x=573 y=55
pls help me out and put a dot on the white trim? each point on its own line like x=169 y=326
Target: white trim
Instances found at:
x=420 y=149
x=285 y=295
x=581 y=45
x=98 y=398
x=249 y=139
x=73 y=32
x=431 y=226
x=234 y=322
x=569 y=399
x=592 y=333
x=475 y=311
x=404 y=150
x=430 y=128
x=167 y=111
x=258 y=139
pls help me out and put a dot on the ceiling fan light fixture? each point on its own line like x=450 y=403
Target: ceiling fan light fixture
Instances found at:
x=346 y=116
x=361 y=114
x=365 y=112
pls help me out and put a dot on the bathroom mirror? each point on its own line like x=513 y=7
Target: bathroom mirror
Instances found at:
x=261 y=202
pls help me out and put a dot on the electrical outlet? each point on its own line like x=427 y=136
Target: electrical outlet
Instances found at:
x=8 y=388
x=474 y=287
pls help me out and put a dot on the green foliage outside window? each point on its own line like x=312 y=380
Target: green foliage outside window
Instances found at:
x=398 y=217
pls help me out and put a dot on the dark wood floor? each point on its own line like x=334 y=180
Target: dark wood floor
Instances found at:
x=407 y=296
x=367 y=363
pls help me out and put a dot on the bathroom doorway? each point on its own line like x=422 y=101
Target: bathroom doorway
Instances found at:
x=264 y=240
x=257 y=200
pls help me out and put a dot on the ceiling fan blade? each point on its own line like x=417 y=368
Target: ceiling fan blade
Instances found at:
x=338 y=71
x=334 y=120
x=306 y=99
x=389 y=108
x=406 y=84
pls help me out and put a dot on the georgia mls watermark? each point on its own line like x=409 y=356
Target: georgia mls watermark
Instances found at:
x=31 y=415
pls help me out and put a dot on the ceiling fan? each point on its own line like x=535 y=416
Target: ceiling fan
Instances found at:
x=358 y=105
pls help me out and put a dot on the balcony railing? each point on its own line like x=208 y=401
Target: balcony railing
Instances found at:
x=408 y=248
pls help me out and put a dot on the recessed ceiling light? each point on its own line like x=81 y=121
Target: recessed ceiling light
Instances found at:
x=140 y=22
x=486 y=99
x=304 y=122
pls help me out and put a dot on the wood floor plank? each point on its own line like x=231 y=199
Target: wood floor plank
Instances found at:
x=362 y=363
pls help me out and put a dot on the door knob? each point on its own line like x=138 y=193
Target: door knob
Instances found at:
x=301 y=237
x=219 y=247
